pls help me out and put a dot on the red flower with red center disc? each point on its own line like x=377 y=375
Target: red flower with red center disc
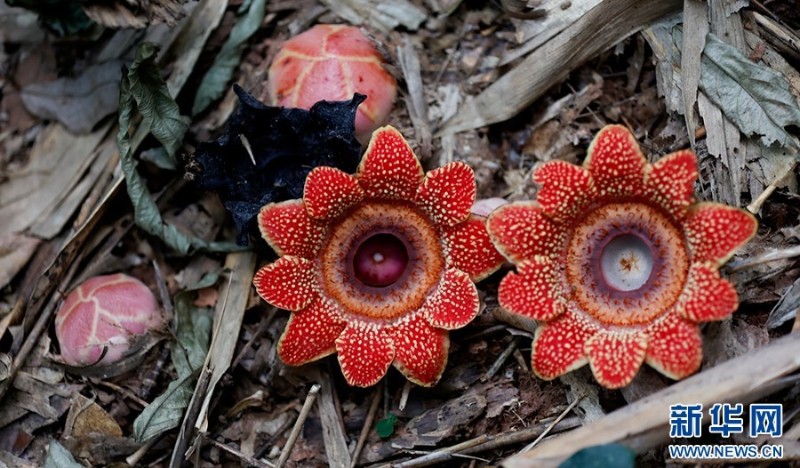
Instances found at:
x=618 y=263
x=378 y=266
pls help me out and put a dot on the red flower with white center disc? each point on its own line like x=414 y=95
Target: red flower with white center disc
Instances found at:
x=618 y=263
x=378 y=266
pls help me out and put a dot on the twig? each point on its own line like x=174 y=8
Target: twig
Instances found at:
x=500 y=360
x=552 y=425
x=521 y=360
x=767 y=11
x=362 y=438
x=781 y=254
x=424 y=453
x=484 y=443
x=404 y=396
x=443 y=454
x=244 y=458
x=124 y=391
x=755 y=206
x=298 y=425
x=162 y=287
x=266 y=321
x=263 y=450
x=134 y=458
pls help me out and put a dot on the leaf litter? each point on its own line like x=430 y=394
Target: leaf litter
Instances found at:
x=446 y=54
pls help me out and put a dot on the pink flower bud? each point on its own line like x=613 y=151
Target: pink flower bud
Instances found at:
x=104 y=313
x=330 y=62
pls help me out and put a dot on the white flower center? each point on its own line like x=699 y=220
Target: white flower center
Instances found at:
x=626 y=263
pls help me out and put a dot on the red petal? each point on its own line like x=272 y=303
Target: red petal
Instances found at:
x=288 y=229
x=670 y=182
x=311 y=333
x=329 y=192
x=447 y=193
x=715 y=231
x=534 y=291
x=616 y=357
x=454 y=303
x=706 y=296
x=470 y=250
x=389 y=170
x=615 y=161
x=288 y=283
x=420 y=351
x=365 y=352
x=675 y=347
x=522 y=231
x=565 y=189
x=558 y=346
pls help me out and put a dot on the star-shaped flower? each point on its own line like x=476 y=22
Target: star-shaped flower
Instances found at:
x=378 y=266
x=618 y=263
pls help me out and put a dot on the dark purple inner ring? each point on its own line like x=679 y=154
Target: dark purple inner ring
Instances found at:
x=595 y=260
x=355 y=249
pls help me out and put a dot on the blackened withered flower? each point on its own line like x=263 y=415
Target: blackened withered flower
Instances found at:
x=267 y=152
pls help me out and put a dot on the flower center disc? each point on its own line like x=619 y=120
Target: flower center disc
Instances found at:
x=626 y=262
x=380 y=260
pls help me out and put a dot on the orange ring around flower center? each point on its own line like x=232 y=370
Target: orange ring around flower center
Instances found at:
x=408 y=293
x=588 y=281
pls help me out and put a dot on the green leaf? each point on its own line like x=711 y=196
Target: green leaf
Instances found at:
x=192 y=345
x=385 y=427
x=754 y=97
x=193 y=333
x=165 y=412
x=160 y=113
x=143 y=89
x=216 y=79
x=602 y=456
x=59 y=457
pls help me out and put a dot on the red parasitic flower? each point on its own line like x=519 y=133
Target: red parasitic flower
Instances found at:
x=330 y=62
x=618 y=263
x=378 y=266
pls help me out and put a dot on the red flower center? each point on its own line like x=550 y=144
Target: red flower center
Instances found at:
x=380 y=260
x=626 y=262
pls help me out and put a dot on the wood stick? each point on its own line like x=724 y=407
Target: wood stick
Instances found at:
x=486 y=442
x=644 y=424
x=298 y=425
x=362 y=438
x=550 y=427
x=601 y=27
x=500 y=360
x=249 y=461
